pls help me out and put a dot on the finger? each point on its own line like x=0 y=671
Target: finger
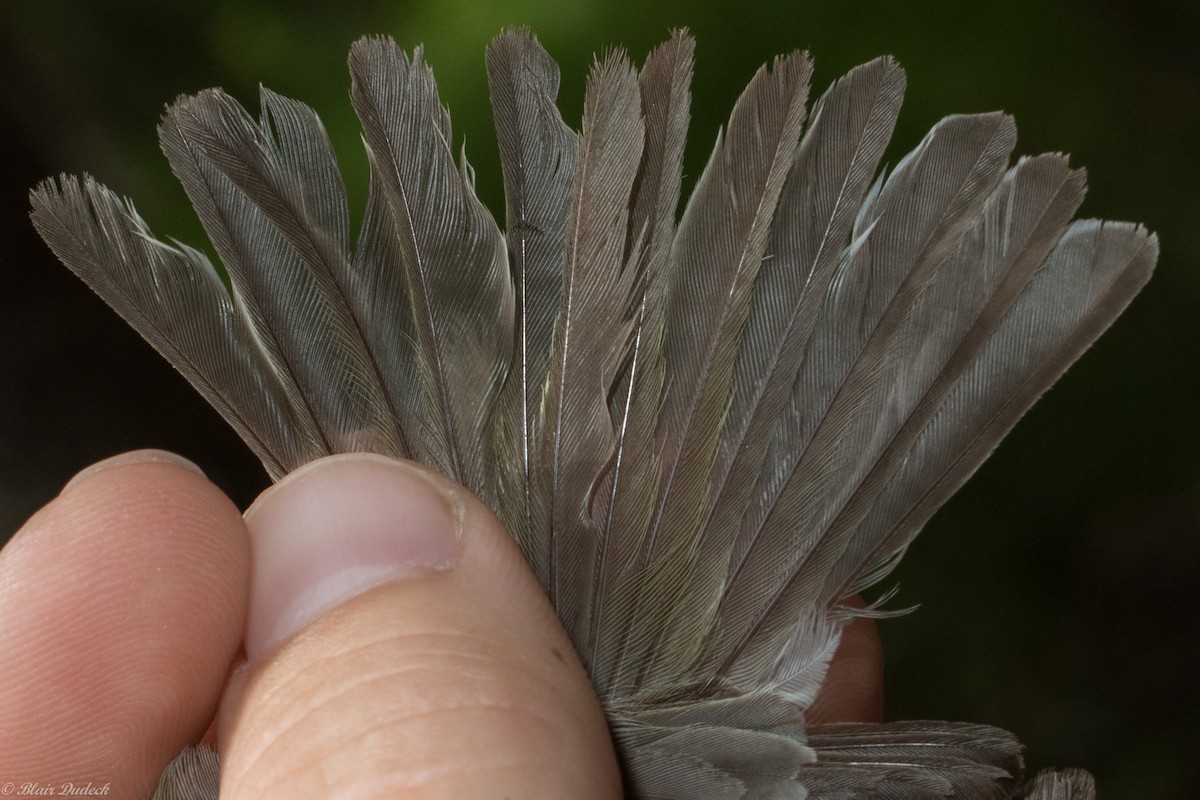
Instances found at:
x=122 y=604
x=445 y=673
x=853 y=687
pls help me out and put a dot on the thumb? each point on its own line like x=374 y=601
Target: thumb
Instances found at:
x=399 y=646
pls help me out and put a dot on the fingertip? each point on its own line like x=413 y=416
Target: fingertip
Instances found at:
x=122 y=602
x=133 y=458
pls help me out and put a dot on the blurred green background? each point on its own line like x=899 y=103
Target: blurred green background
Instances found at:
x=1059 y=589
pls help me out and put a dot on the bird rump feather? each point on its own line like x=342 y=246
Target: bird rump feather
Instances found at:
x=706 y=432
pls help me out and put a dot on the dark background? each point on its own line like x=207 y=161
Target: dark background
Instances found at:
x=1059 y=589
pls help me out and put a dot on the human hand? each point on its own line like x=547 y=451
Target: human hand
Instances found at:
x=398 y=645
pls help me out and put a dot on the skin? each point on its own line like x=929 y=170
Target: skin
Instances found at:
x=123 y=608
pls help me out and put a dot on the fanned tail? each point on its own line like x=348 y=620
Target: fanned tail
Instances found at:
x=706 y=436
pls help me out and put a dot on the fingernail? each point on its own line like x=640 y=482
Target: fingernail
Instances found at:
x=335 y=528
x=134 y=457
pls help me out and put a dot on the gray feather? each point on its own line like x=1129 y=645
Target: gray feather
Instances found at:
x=594 y=325
x=452 y=253
x=627 y=491
x=812 y=224
x=912 y=760
x=539 y=154
x=173 y=297
x=1069 y=784
x=718 y=250
x=1088 y=279
x=214 y=146
x=969 y=296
